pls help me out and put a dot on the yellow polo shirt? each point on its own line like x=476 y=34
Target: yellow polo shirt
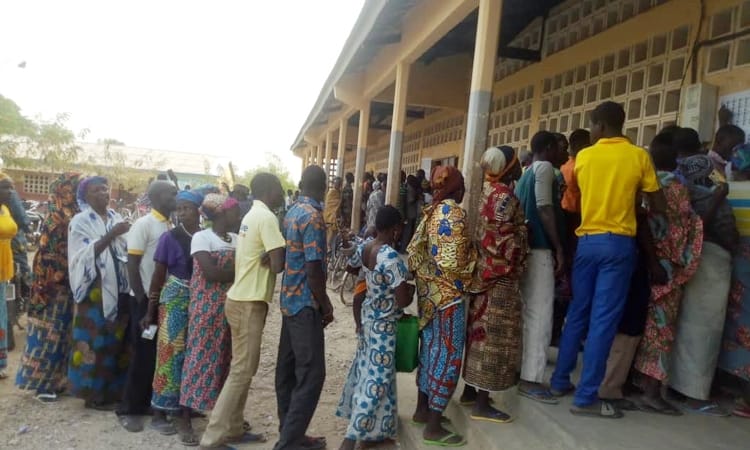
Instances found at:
x=259 y=233
x=610 y=173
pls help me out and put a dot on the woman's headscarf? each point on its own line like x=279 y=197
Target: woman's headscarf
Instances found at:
x=5 y=177
x=498 y=161
x=63 y=195
x=194 y=197
x=446 y=181
x=214 y=204
x=695 y=169
x=83 y=187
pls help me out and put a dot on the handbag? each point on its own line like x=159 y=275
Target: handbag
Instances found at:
x=407 y=343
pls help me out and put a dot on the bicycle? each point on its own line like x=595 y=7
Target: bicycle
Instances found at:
x=340 y=280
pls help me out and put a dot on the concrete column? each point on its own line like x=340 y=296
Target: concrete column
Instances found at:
x=319 y=155
x=329 y=153
x=397 y=133
x=359 y=168
x=342 y=148
x=480 y=98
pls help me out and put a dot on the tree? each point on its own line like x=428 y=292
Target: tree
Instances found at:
x=110 y=141
x=26 y=142
x=272 y=165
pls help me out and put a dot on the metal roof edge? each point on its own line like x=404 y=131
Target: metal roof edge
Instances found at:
x=371 y=10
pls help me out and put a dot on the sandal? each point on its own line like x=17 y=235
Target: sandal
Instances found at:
x=494 y=416
x=247 y=438
x=164 y=428
x=444 y=441
x=443 y=421
x=314 y=443
x=130 y=423
x=599 y=409
x=46 y=397
x=3 y=375
x=712 y=410
x=657 y=406
x=99 y=406
x=539 y=394
x=563 y=392
x=622 y=404
x=189 y=439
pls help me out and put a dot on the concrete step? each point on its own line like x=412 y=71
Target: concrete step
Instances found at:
x=539 y=426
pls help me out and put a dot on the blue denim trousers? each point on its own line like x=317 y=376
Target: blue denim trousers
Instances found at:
x=603 y=266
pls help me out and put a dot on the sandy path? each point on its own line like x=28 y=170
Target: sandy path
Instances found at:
x=26 y=423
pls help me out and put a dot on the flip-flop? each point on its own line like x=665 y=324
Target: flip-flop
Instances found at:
x=314 y=443
x=472 y=402
x=443 y=421
x=539 y=394
x=494 y=417
x=130 y=423
x=247 y=438
x=443 y=442
x=562 y=393
x=46 y=397
x=665 y=408
x=189 y=439
x=712 y=410
x=164 y=428
x=622 y=404
x=600 y=409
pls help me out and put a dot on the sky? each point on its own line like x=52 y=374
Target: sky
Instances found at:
x=228 y=78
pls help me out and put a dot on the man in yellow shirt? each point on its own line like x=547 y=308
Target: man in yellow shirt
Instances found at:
x=260 y=256
x=610 y=175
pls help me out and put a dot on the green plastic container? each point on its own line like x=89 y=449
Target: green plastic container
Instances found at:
x=407 y=344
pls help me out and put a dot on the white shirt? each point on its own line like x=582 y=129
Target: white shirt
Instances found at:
x=143 y=239
x=208 y=241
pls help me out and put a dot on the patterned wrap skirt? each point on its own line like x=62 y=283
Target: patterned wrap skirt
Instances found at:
x=170 y=344
x=493 y=345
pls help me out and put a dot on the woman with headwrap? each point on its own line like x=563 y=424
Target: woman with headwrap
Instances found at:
x=8 y=230
x=208 y=347
x=169 y=296
x=677 y=237
x=441 y=256
x=50 y=312
x=704 y=304
x=493 y=341
x=97 y=269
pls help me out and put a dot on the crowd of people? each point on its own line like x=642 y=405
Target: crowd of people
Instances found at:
x=166 y=316
x=640 y=243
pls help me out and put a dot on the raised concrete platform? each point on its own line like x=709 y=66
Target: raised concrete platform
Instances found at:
x=538 y=426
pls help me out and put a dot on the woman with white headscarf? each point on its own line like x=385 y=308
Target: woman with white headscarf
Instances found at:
x=493 y=342
x=98 y=278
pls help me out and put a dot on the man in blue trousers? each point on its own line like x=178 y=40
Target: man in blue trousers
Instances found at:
x=610 y=175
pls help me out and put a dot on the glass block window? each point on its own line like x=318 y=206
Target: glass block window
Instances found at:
x=36 y=184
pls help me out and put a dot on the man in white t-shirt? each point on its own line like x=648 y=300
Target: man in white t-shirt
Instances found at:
x=259 y=257
x=142 y=241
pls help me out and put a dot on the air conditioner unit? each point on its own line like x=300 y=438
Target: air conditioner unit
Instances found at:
x=698 y=110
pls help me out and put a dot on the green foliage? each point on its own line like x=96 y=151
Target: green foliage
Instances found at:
x=110 y=141
x=272 y=165
x=27 y=142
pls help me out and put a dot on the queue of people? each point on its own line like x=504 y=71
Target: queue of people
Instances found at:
x=648 y=258
x=168 y=315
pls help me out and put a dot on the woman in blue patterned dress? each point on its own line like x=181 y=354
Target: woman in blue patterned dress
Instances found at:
x=369 y=397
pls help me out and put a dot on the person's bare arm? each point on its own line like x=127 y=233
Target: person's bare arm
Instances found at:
x=404 y=294
x=116 y=231
x=547 y=216
x=277 y=259
x=316 y=280
x=357 y=312
x=211 y=270
x=657 y=202
x=157 y=283
x=134 y=276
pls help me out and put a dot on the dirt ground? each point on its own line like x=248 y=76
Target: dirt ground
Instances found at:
x=26 y=423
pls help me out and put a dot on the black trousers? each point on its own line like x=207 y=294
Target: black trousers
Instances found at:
x=136 y=399
x=300 y=373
